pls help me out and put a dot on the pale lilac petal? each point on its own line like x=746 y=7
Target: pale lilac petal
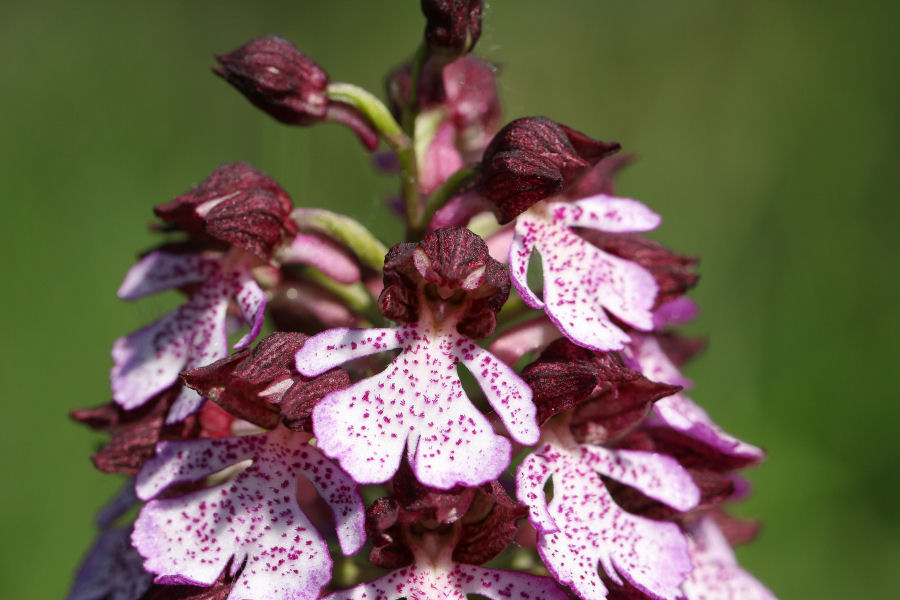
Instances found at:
x=681 y=413
x=716 y=574
x=252 y=302
x=580 y=280
x=655 y=475
x=342 y=495
x=593 y=530
x=334 y=347
x=519 y=256
x=324 y=254
x=499 y=244
x=149 y=360
x=441 y=159
x=680 y=311
x=187 y=403
x=253 y=516
x=530 y=336
x=453 y=582
x=531 y=477
x=678 y=411
x=506 y=392
x=505 y=585
x=610 y=214
x=418 y=401
x=646 y=355
x=410 y=582
x=160 y=271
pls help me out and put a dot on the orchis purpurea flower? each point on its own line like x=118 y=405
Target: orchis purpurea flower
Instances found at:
x=582 y=527
x=446 y=289
x=252 y=520
x=411 y=371
x=194 y=334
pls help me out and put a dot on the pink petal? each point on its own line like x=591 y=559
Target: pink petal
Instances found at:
x=453 y=582
x=647 y=356
x=580 y=280
x=716 y=574
x=254 y=516
x=252 y=302
x=441 y=159
x=608 y=213
x=680 y=311
x=324 y=254
x=160 y=271
x=503 y=585
x=334 y=347
x=657 y=476
x=530 y=336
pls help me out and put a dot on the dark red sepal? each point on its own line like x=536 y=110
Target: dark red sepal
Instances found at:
x=453 y=26
x=736 y=531
x=451 y=272
x=534 y=158
x=389 y=547
x=489 y=526
x=674 y=273
x=611 y=398
x=278 y=79
x=690 y=452
x=237 y=204
x=135 y=432
x=236 y=383
x=714 y=489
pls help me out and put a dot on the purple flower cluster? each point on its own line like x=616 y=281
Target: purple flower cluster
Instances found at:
x=484 y=409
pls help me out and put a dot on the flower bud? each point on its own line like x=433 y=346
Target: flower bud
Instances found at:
x=453 y=26
x=534 y=158
x=237 y=204
x=278 y=79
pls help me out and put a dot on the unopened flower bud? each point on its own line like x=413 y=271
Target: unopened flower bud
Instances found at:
x=534 y=158
x=453 y=26
x=278 y=79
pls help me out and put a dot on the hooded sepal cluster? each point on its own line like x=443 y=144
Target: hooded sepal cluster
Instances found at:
x=262 y=385
x=534 y=158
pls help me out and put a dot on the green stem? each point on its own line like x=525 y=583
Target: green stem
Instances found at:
x=379 y=115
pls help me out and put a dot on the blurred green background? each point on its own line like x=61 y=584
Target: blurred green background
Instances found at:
x=768 y=134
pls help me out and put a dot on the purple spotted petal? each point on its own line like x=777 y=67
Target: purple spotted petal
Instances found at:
x=252 y=302
x=716 y=574
x=589 y=529
x=417 y=402
x=453 y=582
x=160 y=271
x=678 y=411
x=658 y=476
x=149 y=360
x=252 y=517
x=580 y=280
x=193 y=335
x=324 y=254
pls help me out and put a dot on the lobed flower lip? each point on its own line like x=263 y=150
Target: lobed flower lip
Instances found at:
x=453 y=26
x=278 y=79
x=610 y=397
x=450 y=271
x=263 y=386
x=534 y=158
x=237 y=204
x=251 y=520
